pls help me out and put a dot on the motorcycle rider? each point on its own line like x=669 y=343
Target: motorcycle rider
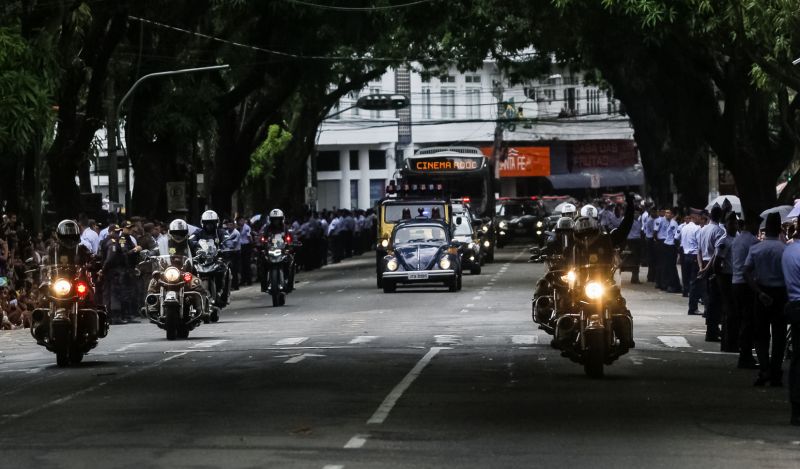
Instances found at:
x=589 y=210
x=210 y=230
x=569 y=210
x=592 y=246
x=275 y=228
x=557 y=249
x=176 y=244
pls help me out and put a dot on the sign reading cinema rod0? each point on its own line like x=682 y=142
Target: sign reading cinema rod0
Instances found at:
x=445 y=164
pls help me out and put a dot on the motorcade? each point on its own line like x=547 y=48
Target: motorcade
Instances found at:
x=72 y=323
x=279 y=266
x=520 y=218
x=583 y=309
x=464 y=232
x=421 y=252
x=180 y=303
x=552 y=206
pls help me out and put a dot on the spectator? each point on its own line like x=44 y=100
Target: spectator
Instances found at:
x=743 y=298
x=791 y=273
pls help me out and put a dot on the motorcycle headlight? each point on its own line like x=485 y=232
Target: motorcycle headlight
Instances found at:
x=485 y=228
x=538 y=232
x=539 y=224
x=503 y=225
x=172 y=274
x=487 y=243
x=62 y=287
x=594 y=290
x=444 y=263
x=275 y=252
x=391 y=264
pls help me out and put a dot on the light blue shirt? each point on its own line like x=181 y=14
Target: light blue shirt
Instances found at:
x=672 y=229
x=791 y=270
x=724 y=248
x=661 y=227
x=764 y=259
x=707 y=239
x=648 y=225
x=739 y=251
x=689 y=238
x=636 y=230
x=232 y=243
x=244 y=237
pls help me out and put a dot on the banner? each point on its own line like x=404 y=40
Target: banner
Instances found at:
x=523 y=161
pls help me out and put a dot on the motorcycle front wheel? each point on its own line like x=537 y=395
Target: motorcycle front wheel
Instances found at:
x=274 y=287
x=594 y=354
x=172 y=322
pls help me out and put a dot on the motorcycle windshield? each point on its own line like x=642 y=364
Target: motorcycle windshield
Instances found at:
x=181 y=262
x=208 y=246
x=52 y=271
x=277 y=242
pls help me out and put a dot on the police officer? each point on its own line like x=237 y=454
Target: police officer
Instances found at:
x=707 y=239
x=744 y=300
x=688 y=245
x=790 y=263
x=119 y=286
x=211 y=231
x=764 y=273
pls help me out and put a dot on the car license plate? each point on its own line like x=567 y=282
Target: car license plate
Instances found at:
x=521 y=229
x=418 y=276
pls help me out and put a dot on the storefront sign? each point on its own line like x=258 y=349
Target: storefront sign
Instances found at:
x=435 y=164
x=603 y=154
x=524 y=161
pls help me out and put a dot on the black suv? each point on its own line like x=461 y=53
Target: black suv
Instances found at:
x=520 y=218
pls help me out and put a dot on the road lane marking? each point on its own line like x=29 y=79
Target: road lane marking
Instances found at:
x=130 y=346
x=333 y=466
x=291 y=341
x=364 y=339
x=446 y=339
x=388 y=404
x=477 y=297
x=301 y=357
x=469 y=305
x=356 y=442
x=674 y=341
x=209 y=343
x=61 y=400
x=464 y=311
x=525 y=339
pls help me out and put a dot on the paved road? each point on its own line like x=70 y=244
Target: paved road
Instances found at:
x=345 y=376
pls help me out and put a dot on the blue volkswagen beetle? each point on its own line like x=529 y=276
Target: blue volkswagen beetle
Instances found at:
x=422 y=251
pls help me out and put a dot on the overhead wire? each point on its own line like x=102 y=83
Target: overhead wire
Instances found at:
x=359 y=9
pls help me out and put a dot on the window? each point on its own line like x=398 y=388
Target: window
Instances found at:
x=447 y=79
x=354 y=96
x=592 y=101
x=376 y=191
x=473 y=103
x=549 y=94
x=328 y=161
x=354 y=193
x=375 y=114
x=353 y=159
x=426 y=103
x=377 y=159
x=472 y=79
x=448 y=103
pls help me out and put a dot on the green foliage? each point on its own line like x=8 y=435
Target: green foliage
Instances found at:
x=262 y=160
x=25 y=91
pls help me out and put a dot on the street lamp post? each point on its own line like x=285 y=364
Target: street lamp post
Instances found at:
x=113 y=145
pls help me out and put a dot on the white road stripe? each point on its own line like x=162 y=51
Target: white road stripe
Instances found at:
x=356 y=442
x=291 y=341
x=388 y=404
x=129 y=346
x=477 y=297
x=525 y=339
x=364 y=339
x=464 y=311
x=208 y=343
x=674 y=341
x=446 y=339
x=296 y=359
x=333 y=466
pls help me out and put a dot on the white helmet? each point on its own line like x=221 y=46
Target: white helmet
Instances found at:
x=589 y=211
x=276 y=219
x=568 y=210
x=276 y=213
x=209 y=220
x=178 y=230
x=565 y=224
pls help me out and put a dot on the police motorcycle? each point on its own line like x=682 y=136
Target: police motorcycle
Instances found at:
x=176 y=300
x=211 y=266
x=279 y=267
x=581 y=306
x=71 y=324
x=470 y=248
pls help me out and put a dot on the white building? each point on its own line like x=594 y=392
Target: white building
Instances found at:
x=359 y=151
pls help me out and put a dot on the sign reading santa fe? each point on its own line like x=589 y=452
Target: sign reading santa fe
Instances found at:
x=524 y=161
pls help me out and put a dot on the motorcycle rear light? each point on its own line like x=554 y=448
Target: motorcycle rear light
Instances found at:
x=288 y=239
x=187 y=277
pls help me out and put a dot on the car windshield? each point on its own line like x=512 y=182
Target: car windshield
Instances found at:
x=516 y=210
x=395 y=213
x=464 y=228
x=420 y=234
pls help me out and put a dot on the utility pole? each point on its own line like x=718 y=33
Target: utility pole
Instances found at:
x=111 y=145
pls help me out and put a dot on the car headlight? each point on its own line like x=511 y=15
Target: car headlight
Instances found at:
x=538 y=232
x=391 y=264
x=275 y=252
x=384 y=243
x=487 y=243
x=62 y=287
x=171 y=274
x=539 y=224
x=444 y=263
x=485 y=228
x=503 y=225
x=594 y=290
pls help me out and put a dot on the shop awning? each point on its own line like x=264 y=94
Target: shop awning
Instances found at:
x=598 y=178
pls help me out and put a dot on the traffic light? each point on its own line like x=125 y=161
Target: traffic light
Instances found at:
x=382 y=102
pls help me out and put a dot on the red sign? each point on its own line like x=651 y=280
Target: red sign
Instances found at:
x=603 y=154
x=524 y=161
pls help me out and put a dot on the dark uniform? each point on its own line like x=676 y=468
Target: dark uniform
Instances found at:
x=119 y=278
